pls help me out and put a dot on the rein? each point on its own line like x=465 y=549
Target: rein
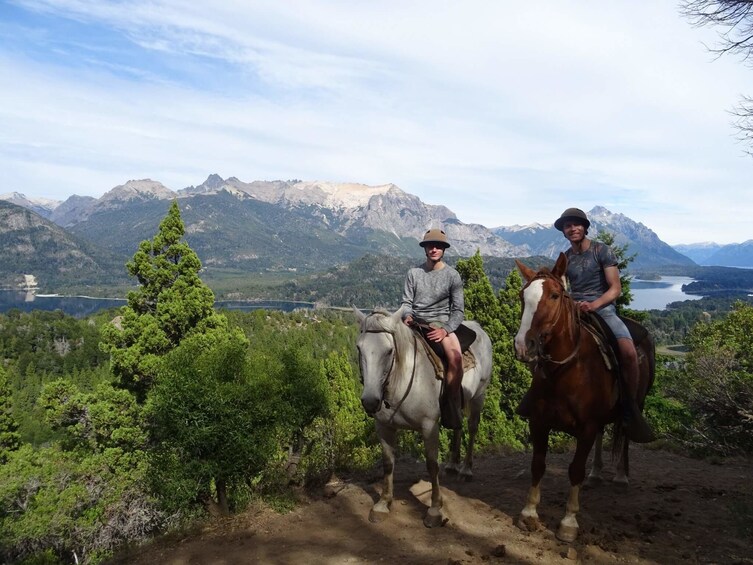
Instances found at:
x=391 y=370
x=545 y=357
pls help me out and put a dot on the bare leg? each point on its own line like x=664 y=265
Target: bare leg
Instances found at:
x=453 y=416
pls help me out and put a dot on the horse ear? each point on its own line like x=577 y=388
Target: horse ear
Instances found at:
x=360 y=316
x=398 y=316
x=527 y=272
x=560 y=267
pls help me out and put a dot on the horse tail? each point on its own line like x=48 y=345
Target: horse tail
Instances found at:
x=651 y=352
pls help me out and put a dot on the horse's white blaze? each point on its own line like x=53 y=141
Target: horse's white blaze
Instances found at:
x=531 y=298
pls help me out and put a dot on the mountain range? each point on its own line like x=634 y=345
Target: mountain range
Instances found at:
x=240 y=228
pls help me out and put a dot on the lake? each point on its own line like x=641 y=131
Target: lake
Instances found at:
x=647 y=295
x=655 y=295
x=82 y=306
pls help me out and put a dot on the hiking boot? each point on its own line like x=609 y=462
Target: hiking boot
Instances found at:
x=637 y=428
x=524 y=408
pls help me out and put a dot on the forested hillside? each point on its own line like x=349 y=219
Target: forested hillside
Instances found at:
x=133 y=423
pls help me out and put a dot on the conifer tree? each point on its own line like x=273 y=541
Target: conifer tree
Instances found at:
x=498 y=425
x=170 y=304
x=10 y=439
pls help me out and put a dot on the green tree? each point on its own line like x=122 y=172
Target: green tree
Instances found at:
x=499 y=424
x=212 y=423
x=170 y=304
x=718 y=386
x=83 y=495
x=343 y=438
x=10 y=439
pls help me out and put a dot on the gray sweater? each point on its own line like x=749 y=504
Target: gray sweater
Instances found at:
x=434 y=296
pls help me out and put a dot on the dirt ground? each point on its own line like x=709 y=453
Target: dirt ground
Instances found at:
x=676 y=510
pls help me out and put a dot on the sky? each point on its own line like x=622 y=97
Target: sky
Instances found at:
x=505 y=112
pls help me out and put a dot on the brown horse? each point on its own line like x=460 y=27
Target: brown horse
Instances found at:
x=575 y=387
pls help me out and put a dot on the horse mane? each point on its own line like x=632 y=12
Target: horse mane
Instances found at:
x=381 y=320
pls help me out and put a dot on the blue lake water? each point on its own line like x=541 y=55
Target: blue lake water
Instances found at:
x=82 y=306
x=647 y=295
x=655 y=295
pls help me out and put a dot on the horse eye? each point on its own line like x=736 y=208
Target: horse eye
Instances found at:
x=555 y=295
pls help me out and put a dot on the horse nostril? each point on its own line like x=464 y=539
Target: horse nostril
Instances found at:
x=370 y=405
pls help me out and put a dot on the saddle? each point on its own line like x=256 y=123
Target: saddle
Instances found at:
x=435 y=351
x=606 y=340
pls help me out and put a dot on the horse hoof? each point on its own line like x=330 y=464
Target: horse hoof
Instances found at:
x=621 y=483
x=379 y=512
x=528 y=523
x=593 y=481
x=568 y=534
x=434 y=518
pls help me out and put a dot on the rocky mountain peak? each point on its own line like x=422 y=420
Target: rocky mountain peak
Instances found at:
x=338 y=195
x=135 y=190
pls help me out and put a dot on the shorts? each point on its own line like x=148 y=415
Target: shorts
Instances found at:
x=608 y=313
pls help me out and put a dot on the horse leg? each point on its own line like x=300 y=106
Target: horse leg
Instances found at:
x=529 y=518
x=595 y=477
x=466 y=471
x=387 y=437
x=453 y=465
x=568 y=529
x=622 y=469
x=434 y=515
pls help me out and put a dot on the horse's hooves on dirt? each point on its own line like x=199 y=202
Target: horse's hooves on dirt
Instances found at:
x=568 y=534
x=528 y=523
x=379 y=513
x=434 y=518
x=593 y=481
x=621 y=484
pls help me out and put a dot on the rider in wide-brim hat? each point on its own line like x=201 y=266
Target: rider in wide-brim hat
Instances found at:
x=575 y=215
x=435 y=236
x=433 y=300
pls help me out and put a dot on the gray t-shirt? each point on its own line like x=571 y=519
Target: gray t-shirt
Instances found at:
x=586 y=271
x=434 y=296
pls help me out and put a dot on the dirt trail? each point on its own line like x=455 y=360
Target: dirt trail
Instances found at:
x=676 y=510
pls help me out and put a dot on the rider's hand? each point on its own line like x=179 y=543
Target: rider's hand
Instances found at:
x=437 y=334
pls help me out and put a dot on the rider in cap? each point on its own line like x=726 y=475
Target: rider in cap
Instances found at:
x=433 y=296
x=595 y=286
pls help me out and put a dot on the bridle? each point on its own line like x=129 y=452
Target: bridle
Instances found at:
x=390 y=371
x=541 y=355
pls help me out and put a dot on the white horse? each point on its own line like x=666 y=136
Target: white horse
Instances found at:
x=401 y=391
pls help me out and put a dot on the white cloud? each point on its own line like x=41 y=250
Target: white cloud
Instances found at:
x=506 y=113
